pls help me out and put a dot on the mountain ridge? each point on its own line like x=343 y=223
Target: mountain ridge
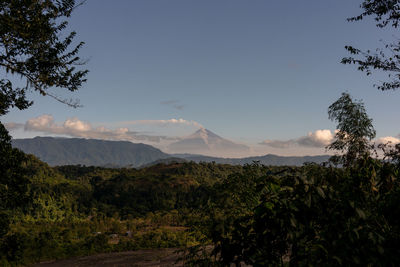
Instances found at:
x=74 y=151
x=93 y=152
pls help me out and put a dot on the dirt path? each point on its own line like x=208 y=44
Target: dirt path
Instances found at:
x=150 y=257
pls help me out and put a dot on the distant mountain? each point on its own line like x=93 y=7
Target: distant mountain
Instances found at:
x=206 y=142
x=90 y=152
x=269 y=159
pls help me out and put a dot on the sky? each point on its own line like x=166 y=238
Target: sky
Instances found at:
x=259 y=73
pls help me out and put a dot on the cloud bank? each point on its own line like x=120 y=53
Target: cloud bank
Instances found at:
x=77 y=128
x=13 y=126
x=388 y=139
x=313 y=142
x=317 y=139
x=164 y=122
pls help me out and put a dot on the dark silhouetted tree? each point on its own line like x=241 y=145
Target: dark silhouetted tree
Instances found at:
x=13 y=182
x=31 y=48
x=386 y=14
x=355 y=129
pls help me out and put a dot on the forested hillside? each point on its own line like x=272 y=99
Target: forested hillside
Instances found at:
x=77 y=210
x=65 y=151
x=252 y=213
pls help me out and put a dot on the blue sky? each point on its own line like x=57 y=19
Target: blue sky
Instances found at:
x=247 y=70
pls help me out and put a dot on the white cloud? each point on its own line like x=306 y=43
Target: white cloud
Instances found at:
x=164 y=122
x=13 y=125
x=388 y=139
x=75 y=124
x=40 y=123
x=76 y=128
x=122 y=130
x=317 y=139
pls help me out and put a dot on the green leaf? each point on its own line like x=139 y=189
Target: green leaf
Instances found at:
x=337 y=259
x=293 y=222
x=320 y=192
x=308 y=200
x=269 y=205
x=361 y=213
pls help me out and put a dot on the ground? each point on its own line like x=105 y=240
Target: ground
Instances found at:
x=146 y=257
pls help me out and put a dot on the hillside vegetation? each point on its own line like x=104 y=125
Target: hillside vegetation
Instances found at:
x=79 y=210
x=74 y=151
x=253 y=213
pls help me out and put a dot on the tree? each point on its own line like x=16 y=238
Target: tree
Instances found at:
x=32 y=48
x=386 y=14
x=355 y=129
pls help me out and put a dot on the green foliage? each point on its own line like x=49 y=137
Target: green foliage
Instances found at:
x=13 y=247
x=13 y=181
x=312 y=215
x=74 y=210
x=355 y=129
x=263 y=216
x=11 y=97
x=32 y=49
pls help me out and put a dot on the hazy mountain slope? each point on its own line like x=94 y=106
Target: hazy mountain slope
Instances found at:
x=72 y=151
x=206 y=142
